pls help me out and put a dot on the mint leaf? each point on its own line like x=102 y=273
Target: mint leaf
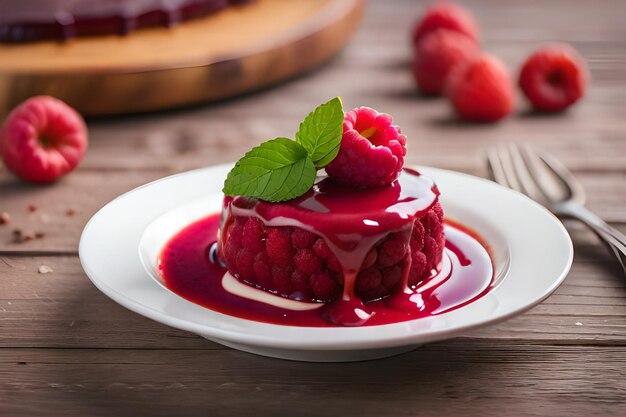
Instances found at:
x=277 y=170
x=320 y=132
x=281 y=169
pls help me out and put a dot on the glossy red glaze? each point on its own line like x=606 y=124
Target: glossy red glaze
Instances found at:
x=351 y=221
x=188 y=271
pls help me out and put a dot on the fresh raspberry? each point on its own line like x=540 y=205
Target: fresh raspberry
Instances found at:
x=262 y=269
x=321 y=249
x=444 y=15
x=324 y=286
x=369 y=280
x=253 y=235
x=333 y=263
x=430 y=247
x=417 y=235
x=392 y=276
x=245 y=263
x=279 y=247
x=231 y=248
x=419 y=264
x=301 y=238
x=372 y=150
x=436 y=55
x=300 y=283
x=370 y=259
x=43 y=139
x=391 y=251
x=481 y=89
x=282 y=278
x=314 y=273
x=306 y=261
x=432 y=223
x=236 y=234
x=438 y=210
x=553 y=78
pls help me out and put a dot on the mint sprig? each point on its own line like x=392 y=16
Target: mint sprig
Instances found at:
x=319 y=132
x=276 y=170
x=281 y=169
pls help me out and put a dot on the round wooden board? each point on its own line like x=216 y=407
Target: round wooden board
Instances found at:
x=237 y=50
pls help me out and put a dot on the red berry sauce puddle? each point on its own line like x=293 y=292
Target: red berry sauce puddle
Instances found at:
x=189 y=269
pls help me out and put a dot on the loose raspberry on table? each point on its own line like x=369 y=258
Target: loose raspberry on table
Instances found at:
x=43 y=139
x=446 y=15
x=481 y=89
x=372 y=150
x=436 y=55
x=298 y=264
x=553 y=78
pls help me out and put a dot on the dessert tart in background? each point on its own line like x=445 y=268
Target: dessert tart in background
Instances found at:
x=33 y=20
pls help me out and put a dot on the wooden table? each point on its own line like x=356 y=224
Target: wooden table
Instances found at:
x=66 y=349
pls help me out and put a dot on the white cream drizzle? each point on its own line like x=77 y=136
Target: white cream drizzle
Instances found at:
x=236 y=287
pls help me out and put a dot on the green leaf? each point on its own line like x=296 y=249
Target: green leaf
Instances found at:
x=320 y=132
x=277 y=170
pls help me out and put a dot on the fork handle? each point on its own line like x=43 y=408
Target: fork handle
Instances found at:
x=612 y=236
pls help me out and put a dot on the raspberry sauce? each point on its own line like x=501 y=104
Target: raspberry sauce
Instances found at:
x=188 y=270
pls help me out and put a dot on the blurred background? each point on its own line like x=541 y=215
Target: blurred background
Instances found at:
x=250 y=73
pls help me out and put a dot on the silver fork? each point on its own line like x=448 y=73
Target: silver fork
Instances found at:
x=546 y=180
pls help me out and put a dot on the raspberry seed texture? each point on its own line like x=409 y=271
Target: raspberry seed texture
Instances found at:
x=372 y=150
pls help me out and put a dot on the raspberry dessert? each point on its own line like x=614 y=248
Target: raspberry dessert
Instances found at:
x=361 y=244
x=336 y=241
x=33 y=20
x=363 y=232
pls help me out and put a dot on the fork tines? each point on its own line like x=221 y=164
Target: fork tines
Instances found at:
x=534 y=173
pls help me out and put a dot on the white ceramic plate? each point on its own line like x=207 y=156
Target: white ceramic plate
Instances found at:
x=119 y=247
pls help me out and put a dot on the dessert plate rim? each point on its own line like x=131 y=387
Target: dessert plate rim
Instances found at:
x=127 y=282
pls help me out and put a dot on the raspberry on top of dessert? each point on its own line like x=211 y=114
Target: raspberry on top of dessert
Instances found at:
x=372 y=150
x=366 y=231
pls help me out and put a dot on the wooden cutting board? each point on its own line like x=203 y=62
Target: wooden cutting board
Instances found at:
x=229 y=53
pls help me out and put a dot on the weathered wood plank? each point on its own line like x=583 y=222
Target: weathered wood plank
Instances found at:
x=82 y=193
x=448 y=378
x=63 y=309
